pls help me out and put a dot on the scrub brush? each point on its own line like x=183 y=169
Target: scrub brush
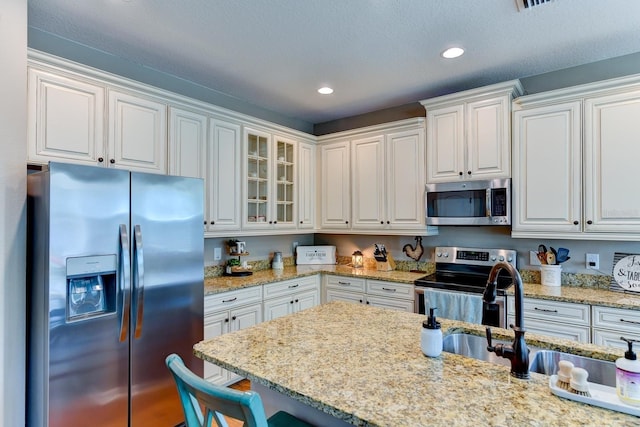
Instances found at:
x=578 y=384
x=564 y=374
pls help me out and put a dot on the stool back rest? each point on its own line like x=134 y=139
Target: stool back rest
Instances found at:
x=217 y=400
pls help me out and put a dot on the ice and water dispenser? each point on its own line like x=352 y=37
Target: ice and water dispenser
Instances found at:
x=91 y=286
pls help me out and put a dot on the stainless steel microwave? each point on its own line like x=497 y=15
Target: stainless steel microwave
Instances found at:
x=469 y=203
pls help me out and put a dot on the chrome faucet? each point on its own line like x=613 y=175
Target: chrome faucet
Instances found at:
x=518 y=352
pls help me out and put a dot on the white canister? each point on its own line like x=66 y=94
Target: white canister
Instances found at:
x=551 y=275
x=277 y=263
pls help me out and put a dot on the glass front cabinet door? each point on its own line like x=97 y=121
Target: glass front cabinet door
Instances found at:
x=270 y=187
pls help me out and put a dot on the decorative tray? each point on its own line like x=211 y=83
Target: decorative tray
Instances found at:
x=601 y=395
x=238 y=273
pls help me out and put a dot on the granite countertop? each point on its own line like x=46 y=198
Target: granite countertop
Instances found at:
x=364 y=365
x=575 y=294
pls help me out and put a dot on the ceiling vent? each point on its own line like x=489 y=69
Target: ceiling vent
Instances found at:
x=530 y=4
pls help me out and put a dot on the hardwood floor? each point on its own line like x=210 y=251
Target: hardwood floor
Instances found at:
x=242 y=385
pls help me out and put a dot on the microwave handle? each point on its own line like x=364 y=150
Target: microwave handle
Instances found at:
x=488 y=204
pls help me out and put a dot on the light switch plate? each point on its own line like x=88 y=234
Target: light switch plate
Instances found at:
x=217 y=254
x=533 y=258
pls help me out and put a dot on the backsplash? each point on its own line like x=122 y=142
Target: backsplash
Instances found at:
x=528 y=276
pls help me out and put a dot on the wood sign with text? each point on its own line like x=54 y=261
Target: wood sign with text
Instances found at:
x=626 y=272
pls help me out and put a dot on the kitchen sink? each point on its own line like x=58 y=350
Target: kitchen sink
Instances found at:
x=540 y=360
x=600 y=371
x=473 y=346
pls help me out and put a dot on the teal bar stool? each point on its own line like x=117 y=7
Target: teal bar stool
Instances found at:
x=217 y=401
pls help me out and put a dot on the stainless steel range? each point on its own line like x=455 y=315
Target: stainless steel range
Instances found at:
x=460 y=278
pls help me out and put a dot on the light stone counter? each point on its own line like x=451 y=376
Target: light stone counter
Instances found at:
x=364 y=365
x=576 y=294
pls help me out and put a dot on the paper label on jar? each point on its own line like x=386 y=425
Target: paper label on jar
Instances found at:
x=628 y=384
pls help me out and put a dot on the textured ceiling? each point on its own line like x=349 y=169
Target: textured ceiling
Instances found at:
x=376 y=54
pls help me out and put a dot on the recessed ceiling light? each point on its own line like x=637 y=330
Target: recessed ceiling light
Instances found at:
x=452 y=52
x=326 y=90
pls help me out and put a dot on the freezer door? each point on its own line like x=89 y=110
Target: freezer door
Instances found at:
x=168 y=291
x=78 y=366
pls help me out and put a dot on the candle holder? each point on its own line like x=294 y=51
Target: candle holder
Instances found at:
x=356 y=259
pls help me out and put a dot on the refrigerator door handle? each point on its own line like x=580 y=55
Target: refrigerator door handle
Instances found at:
x=125 y=282
x=138 y=281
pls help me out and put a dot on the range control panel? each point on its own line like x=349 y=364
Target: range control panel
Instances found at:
x=474 y=256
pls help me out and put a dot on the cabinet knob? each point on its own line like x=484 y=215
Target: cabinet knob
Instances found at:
x=388 y=222
x=575 y=223
x=291 y=302
x=589 y=222
x=301 y=222
x=226 y=320
x=468 y=172
x=205 y=223
x=460 y=173
x=112 y=161
x=275 y=222
x=233 y=318
x=297 y=300
x=213 y=222
x=346 y=222
x=100 y=159
x=270 y=222
x=381 y=222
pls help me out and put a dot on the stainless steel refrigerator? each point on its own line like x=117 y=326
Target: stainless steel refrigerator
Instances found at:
x=116 y=284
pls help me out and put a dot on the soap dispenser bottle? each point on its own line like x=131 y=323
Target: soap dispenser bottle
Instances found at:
x=431 y=336
x=628 y=376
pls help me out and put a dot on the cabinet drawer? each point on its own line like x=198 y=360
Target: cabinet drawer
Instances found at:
x=553 y=329
x=351 y=284
x=576 y=314
x=618 y=319
x=232 y=299
x=612 y=338
x=276 y=289
x=390 y=289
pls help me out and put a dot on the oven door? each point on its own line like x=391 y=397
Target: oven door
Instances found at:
x=454 y=305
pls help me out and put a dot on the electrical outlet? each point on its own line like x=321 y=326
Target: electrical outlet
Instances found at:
x=593 y=261
x=533 y=258
x=217 y=254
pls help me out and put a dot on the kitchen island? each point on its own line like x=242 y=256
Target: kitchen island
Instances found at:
x=363 y=365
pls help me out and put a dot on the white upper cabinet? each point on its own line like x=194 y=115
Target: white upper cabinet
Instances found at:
x=187 y=147
x=469 y=134
x=335 y=194
x=187 y=143
x=224 y=160
x=306 y=185
x=612 y=150
x=405 y=175
x=368 y=182
x=547 y=169
x=137 y=135
x=574 y=153
x=66 y=119
x=270 y=181
x=372 y=179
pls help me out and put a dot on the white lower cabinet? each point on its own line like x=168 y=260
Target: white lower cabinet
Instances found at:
x=228 y=312
x=609 y=324
x=290 y=296
x=553 y=318
x=396 y=296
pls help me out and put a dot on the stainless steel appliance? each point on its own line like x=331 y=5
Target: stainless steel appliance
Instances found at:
x=116 y=284
x=457 y=285
x=469 y=203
